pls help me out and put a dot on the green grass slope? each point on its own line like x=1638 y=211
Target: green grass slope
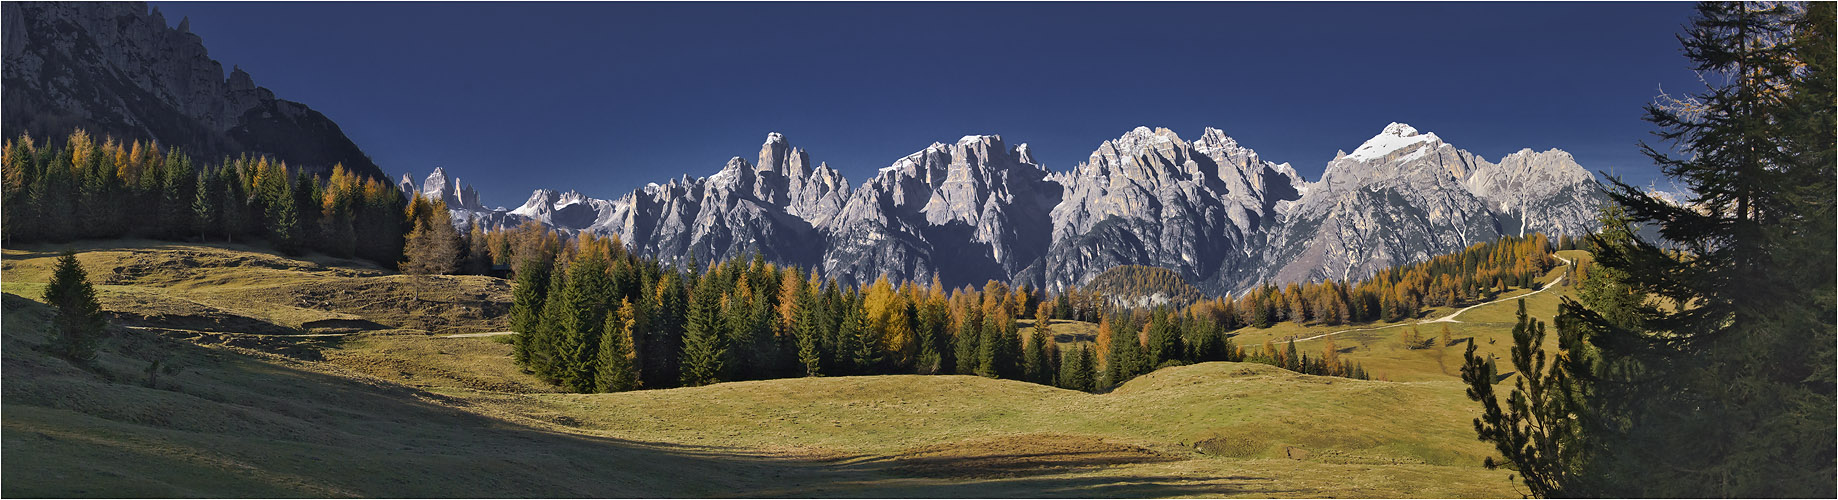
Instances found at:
x=388 y=413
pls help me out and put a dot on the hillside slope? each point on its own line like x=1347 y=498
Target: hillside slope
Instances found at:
x=398 y=412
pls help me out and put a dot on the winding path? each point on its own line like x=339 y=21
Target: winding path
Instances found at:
x=1451 y=317
x=472 y=335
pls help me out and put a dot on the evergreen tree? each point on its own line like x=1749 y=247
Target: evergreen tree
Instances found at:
x=527 y=295
x=1039 y=365
x=306 y=194
x=935 y=350
x=663 y=352
x=990 y=359
x=207 y=203
x=1719 y=381
x=234 y=206
x=968 y=346
x=617 y=369
x=857 y=342
x=581 y=321
x=78 y=327
x=702 y=346
x=805 y=327
x=1534 y=433
x=284 y=223
x=1084 y=375
x=177 y=185
x=1164 y=340
x=54 y=196
x=1124 y=351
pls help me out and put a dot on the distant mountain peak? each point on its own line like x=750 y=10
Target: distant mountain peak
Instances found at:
x=1395 y=137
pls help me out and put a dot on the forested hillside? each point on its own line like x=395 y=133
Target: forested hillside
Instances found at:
x=101 y=187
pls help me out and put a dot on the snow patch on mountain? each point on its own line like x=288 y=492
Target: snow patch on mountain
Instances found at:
x=1396 y=136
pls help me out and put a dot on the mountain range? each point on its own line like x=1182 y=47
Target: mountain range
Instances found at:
x=979 y=209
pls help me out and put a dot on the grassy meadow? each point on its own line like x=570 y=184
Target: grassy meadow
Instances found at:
x=312 y=376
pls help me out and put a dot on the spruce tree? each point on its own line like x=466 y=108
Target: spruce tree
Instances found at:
x=989 y=350
x=544 y=346
x=967 y=348
x=1038 y=365
x=1086 y=377
x=617 y=369
x=805 y=328
x=583 y=315
x=857 y=342
x=527 y=295
x=702 y=346
x=1164 y=340
x=284 y=224
x=78 y=326
x=306 y=194
x=207 y=204
x=177 y=182
x=54 y=196
x=1720 y=382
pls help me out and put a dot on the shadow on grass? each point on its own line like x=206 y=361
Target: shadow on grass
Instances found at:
x=227 y=422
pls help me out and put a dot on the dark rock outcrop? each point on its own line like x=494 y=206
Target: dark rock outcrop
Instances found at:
x=117 y=69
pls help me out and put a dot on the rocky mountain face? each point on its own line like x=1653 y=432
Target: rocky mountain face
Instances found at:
x=1151 y=198
x=116 y=68
x=1211 y=210
x=1405 y=196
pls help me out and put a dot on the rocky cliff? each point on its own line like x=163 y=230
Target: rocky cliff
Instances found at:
x=1210 y=210
x=119 y=69
x=1404 y=196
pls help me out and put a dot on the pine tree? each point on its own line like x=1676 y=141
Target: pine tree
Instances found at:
x=857 y=342
x=968 y=345
x=703 y=349
x=234 y=206
x=810 y=358
x=1039 y=366
x=935 y=349
x=617 y=368
x=78 y=327
x=207 y=204
x=1534 y=433
x=284 y=223
x=1730 y=394
x=177 y=182
x=1164 y=340
x=580 y=321
x=1125 y=352
x=663 y=351
x=1085 y=377
x=989 y=350
x=306 y=193
x=527 y=296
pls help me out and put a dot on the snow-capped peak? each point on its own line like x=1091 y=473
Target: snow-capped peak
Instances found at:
x=971 y=139
x=1396 y=136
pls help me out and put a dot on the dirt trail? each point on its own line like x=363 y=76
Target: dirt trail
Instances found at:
x=1451 y=317
x=472 y=335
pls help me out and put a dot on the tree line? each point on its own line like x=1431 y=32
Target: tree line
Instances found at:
x=89 y=188
x=1474 y=274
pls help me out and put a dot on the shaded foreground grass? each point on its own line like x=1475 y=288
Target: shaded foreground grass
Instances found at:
x=389 y=413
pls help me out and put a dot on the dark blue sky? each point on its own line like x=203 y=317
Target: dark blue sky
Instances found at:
x=605 y=97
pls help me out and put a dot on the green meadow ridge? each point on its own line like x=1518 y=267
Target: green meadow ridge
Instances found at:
x=320 y=376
